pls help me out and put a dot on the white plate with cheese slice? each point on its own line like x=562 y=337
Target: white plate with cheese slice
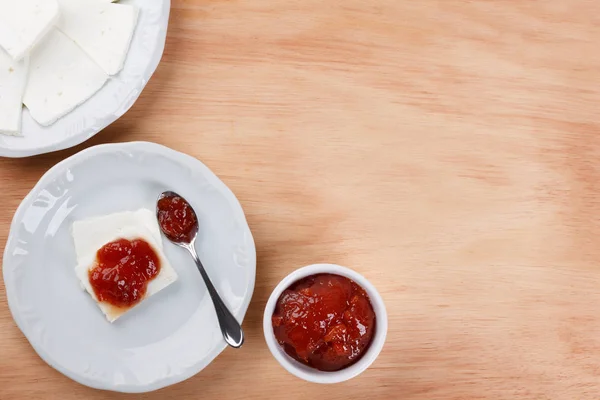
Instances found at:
x=74 y=80
x=107 y=192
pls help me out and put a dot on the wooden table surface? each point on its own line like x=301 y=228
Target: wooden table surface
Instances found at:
x=446 y=149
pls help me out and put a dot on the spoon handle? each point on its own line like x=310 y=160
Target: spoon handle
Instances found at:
x=230 y=328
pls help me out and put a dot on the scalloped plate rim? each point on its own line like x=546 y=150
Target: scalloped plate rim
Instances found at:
x=87 y=134
x=81 y=157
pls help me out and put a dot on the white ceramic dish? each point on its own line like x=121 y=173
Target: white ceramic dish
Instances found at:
x=311 y=374
x=112 y=101
x=169 y=337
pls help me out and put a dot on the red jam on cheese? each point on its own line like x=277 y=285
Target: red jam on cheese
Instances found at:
x=123 y=270
x=177 y=218
x=324 y=321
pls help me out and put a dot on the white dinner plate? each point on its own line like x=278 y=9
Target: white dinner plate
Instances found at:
x=109 y=103
x=170 y=336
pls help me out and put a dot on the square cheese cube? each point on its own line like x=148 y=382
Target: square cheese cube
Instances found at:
x=23 y=23
x=103 y=30
x=61 y=77
x=87 y=246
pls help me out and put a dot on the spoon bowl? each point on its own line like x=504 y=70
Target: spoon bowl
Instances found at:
x=177 y=219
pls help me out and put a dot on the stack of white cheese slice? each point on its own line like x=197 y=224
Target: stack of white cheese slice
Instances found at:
x=56 y=54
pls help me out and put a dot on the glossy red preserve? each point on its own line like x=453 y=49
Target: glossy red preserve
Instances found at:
x=124 y=268
x=325 y=321
x=176 y=218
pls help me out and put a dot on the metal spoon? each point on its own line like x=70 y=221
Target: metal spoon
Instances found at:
x=230 y=328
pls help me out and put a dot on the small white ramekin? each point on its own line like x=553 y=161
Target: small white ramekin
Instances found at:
x=311 y=374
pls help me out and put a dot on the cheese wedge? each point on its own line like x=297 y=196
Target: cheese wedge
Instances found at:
x=102 y=29
x=23 y=23
x=61 y=77
x=13 y=77
x=165 y=277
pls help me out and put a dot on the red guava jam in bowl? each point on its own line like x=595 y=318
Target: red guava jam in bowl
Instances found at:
x=325 y=323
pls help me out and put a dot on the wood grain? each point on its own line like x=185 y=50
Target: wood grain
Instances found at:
x=446 y=149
